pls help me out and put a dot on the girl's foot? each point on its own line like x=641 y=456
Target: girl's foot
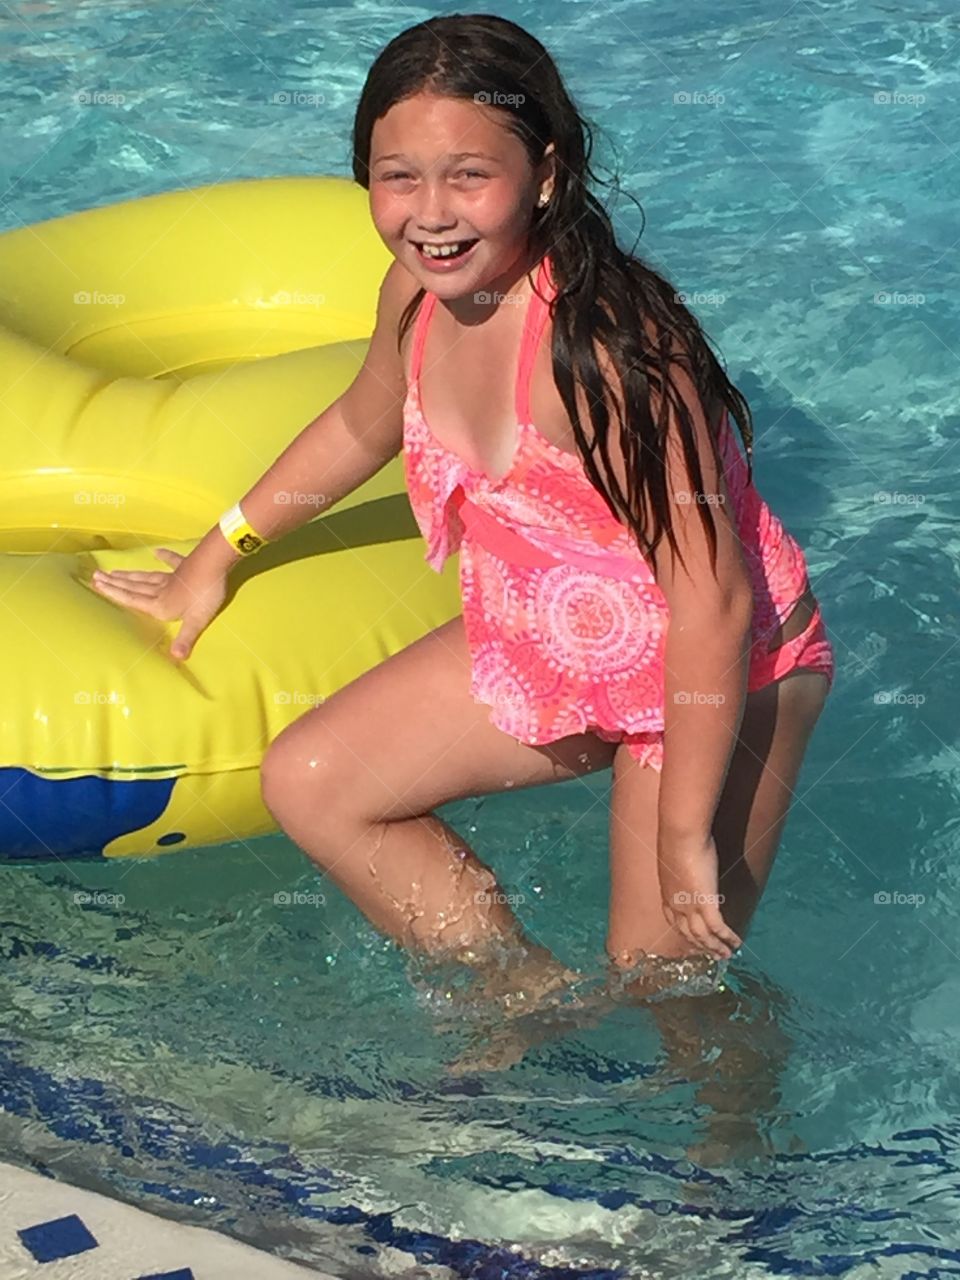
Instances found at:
x=500 y=1046
x=538 y=981
x=508 y=978
x=499 y=1049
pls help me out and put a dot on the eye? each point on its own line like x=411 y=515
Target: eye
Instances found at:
x=471 y=173
x=387 y=177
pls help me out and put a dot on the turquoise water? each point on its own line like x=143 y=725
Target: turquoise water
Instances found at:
x=279 y=1074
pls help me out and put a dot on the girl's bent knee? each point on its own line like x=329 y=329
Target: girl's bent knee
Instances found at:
x=293 y=779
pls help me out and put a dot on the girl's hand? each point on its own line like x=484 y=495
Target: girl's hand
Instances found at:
x=191 y=592
x=690 y=898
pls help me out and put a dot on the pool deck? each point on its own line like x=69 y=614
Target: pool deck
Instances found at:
x=52 y=1230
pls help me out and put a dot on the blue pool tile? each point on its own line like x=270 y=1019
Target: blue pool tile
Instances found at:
x=59 y=1238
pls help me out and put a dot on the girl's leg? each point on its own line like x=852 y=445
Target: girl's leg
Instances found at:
x=354 y=781
x=742 y=1081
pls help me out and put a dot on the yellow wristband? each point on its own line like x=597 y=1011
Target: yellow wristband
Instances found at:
x=239 y=533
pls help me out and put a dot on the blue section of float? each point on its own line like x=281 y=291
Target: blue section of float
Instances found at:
x=44 y=818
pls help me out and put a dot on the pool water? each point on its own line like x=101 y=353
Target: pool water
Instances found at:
x=179 y=1038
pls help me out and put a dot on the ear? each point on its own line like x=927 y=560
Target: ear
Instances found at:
x=547 y=170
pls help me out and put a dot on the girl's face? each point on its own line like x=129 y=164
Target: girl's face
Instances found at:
x=444 y=172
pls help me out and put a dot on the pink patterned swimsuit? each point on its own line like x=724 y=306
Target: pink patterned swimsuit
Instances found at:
x=563 y=617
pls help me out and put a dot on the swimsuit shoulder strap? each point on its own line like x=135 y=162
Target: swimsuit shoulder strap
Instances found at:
x=420 y=326
x=538 y=311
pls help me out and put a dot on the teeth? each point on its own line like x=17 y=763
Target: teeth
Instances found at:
x=442 y=251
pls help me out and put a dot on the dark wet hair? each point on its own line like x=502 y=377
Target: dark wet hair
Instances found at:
x=601 y=290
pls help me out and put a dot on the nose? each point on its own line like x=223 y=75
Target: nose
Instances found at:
x=431 y=207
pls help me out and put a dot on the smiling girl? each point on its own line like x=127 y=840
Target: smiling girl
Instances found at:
x=629 y=600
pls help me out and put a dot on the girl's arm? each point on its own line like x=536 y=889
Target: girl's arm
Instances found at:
x=706 y=657
x=708 y=638
x=333 y=455
x=341 y=448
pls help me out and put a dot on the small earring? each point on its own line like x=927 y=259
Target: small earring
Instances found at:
x=544 y=200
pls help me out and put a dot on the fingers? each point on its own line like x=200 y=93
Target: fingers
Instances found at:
x=725 y=934
x=135 y=584
x=185 y=639
x=136 y=597
x=708 y=928
x=693 y=932
x=141 y=581
x=704 y=927
x=133 y=575
x=699 y=931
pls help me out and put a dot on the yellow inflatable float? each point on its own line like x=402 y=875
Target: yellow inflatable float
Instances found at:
x=155 y=357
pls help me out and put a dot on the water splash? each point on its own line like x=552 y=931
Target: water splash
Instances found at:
x=664 y=977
